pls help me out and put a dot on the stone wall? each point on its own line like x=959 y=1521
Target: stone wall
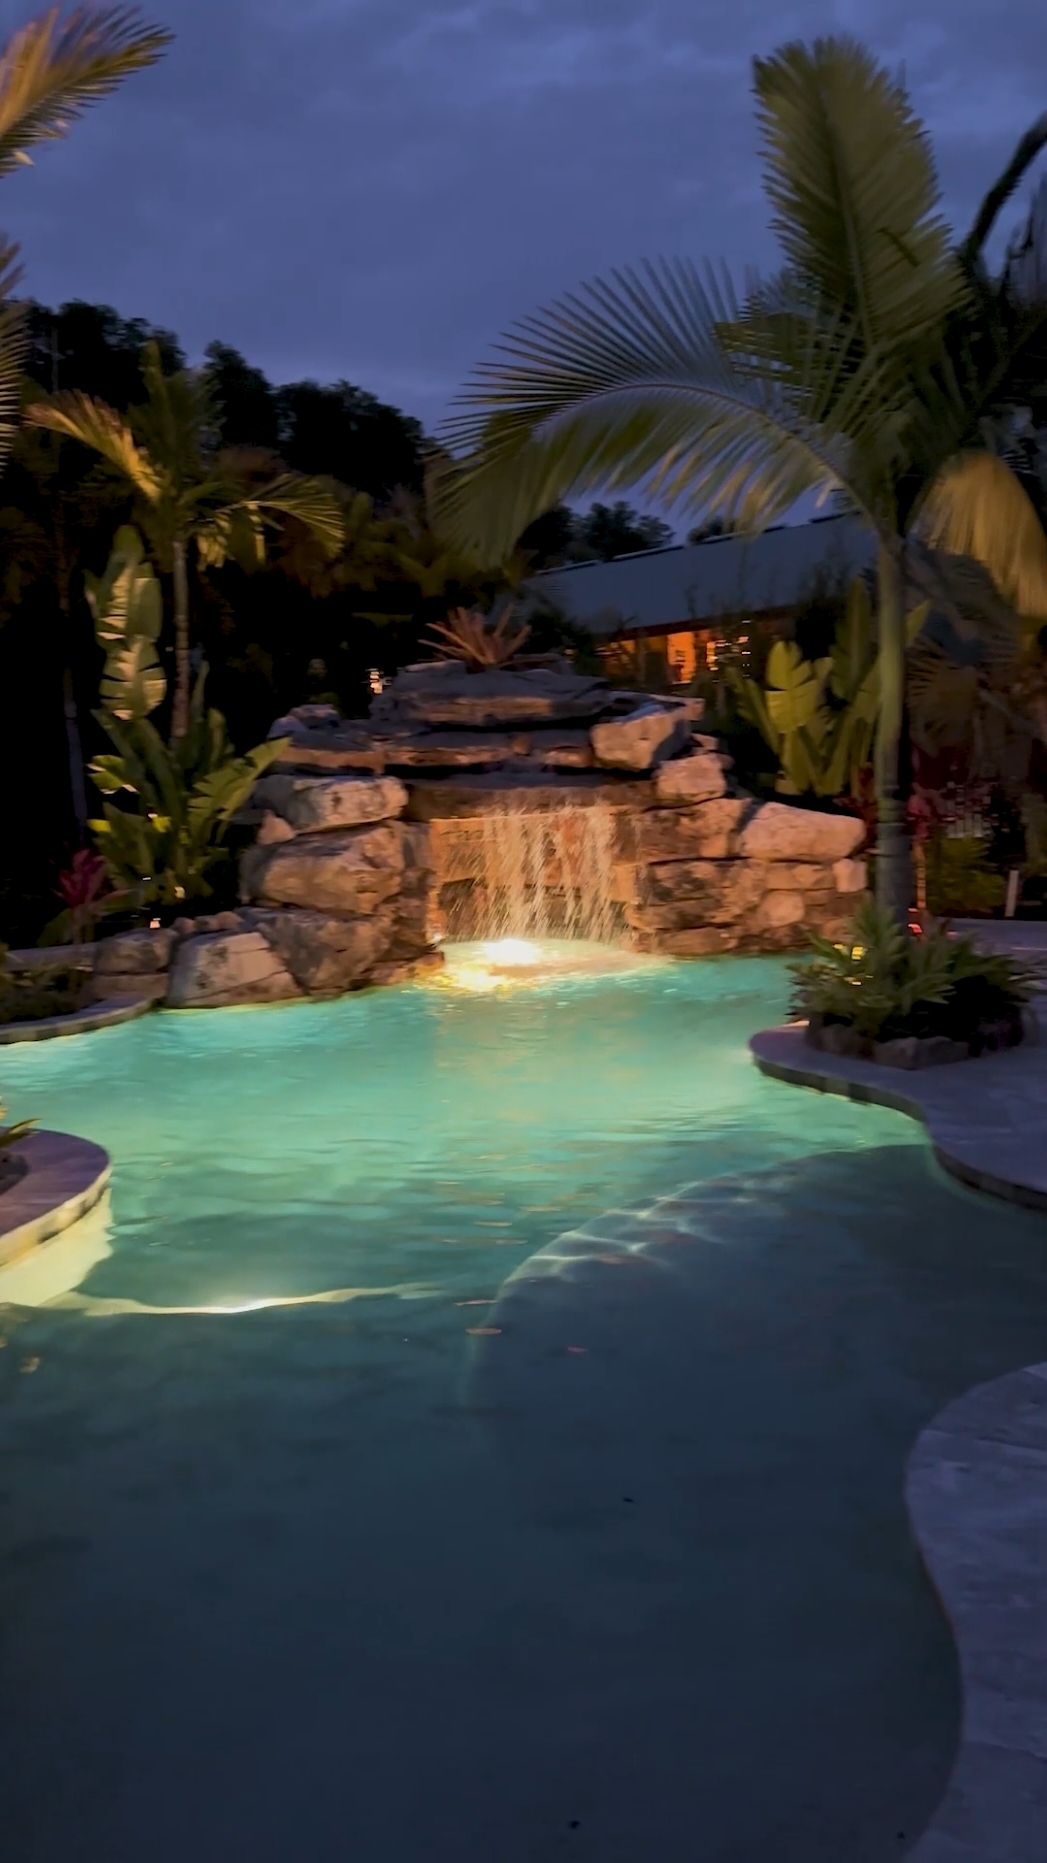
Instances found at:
x=695 y=870
x=335 y=896
x=694 y=867
x=373 y=837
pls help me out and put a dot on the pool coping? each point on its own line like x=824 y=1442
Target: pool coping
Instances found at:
x=78 y=1021
x=985 y=1118
x=66 y=1177
x=976 y=1491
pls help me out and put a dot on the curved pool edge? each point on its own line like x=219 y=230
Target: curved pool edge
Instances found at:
x=976 y=1491
x=985 y=1118
x=79 y=1022
x=65 y=1178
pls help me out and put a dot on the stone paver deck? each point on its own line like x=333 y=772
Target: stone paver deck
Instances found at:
x=987 y=1119
x=977 y=1496
x=65 y=1179
x=977 y=1479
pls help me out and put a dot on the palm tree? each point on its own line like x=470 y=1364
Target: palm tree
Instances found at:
x=192 y=496
x=51 y=70
x=862 y=369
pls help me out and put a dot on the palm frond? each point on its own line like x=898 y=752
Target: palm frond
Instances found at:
x=100 y=427
x=850 y=177
x=979 y=508
x=1025 y=273
x=234 y=531
x=13 y=343
x=312 y=502
x=52 y=70
x=1034 y=139
x=175 y=421
x=654 y=379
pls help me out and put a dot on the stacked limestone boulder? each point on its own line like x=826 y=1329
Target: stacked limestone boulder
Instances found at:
x=527 y=718
x=368 y=831
x=335 y=894
x=707 y=872
x=697 y=869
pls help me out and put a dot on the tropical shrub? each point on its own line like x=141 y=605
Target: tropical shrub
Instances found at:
x=127 y=609
x=819 y=716
x=29 y=996
x=163 y=834
x=960 y=877
x=887 y=981
x=83 y=887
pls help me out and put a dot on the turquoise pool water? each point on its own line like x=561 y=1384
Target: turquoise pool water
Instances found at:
x=444 y=1561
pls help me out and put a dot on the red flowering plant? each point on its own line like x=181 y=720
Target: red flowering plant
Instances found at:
x=86 y=895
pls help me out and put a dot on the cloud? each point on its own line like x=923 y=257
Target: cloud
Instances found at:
x=374 y=188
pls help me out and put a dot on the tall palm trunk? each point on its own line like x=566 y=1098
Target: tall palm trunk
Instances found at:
x=74 y=750
x=180 y=704
x=893 y=856
x=73 y=739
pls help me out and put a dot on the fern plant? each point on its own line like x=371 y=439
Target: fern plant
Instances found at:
x=887 y=981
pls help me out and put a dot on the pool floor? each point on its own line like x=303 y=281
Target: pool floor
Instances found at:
x=561 y=1515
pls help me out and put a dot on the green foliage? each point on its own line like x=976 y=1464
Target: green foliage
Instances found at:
x=163 y=847
x=887 y=981
x=959 y=877
x=819 y=716
x=51 y=71
x=127 y=610
x=28 y=996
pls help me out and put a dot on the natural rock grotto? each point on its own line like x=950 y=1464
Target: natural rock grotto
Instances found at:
x=467 y=798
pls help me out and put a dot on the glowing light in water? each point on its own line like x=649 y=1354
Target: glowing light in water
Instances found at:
x=512 y=952
x=503 y=964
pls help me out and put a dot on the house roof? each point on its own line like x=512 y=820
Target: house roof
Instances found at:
x=687 y=585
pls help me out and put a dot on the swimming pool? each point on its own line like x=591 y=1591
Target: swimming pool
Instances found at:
x=488 y=1546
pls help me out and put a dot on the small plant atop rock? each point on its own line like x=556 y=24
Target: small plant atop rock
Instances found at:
x=888 y=984
x=481 y=643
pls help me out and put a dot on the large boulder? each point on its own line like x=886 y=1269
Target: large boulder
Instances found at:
x=134 y=953
x=319 y=738
x=709 y=830
x=312 y=803
x=693 y=941
x=325 y=955
x=642 y=739
x=850 y=876
x=684 y=893
x=777 y=832
x=780 y=908
x=450 y=750
x=223 y=968
x=350 y=872
x=145 y=986
x=445 y=693
x=131 y=964
x=698 y=778
x=486 y=794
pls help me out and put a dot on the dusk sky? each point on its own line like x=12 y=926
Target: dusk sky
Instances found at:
x=372 y=189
